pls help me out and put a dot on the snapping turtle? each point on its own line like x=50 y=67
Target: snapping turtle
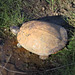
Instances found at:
x=41 y=38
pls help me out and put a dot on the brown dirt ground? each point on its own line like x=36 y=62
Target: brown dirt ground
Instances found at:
x=22 y=60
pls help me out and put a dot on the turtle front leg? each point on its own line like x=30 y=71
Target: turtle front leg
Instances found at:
x=18 y=45
x=43 y=57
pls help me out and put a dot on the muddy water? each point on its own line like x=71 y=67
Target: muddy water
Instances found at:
x=21 y=60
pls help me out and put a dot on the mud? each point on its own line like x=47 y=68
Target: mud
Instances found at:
x=21 y=60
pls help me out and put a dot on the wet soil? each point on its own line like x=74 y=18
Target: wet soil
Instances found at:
x=21 y=60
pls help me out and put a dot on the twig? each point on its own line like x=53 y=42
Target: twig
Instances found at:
x=4 y=66
x=60 y=67
x=12 y=70
x=36 y=71
x=8 y=59
x=3 y=59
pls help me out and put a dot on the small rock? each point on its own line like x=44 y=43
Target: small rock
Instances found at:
x=18 y=58
x=5 y=29
x=43 y=8
x=56 y=14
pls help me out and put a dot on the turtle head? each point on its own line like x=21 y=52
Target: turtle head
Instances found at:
x=14 y=29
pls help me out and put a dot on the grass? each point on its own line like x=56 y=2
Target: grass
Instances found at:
x=68 y=11
x=64 y=60
x=71 y=19
x=11 y=14
x=51 y=3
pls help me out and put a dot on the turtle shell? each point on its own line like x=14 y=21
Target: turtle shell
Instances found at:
x=42 y=38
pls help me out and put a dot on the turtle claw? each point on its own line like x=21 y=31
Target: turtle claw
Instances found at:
x=18 y=45
x=43 y=57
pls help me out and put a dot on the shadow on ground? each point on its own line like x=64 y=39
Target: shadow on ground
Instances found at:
x=24 y=61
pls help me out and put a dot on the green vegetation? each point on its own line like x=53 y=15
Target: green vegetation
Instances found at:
x=11 y=14
x=66 y=7
x=68 y=11
x=48 y=1
x=64 y=60
x=71 y=18
x=51 y=3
